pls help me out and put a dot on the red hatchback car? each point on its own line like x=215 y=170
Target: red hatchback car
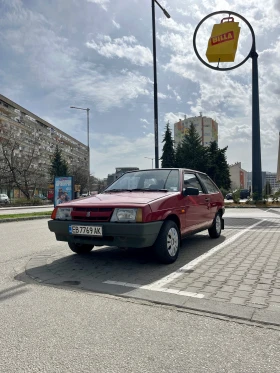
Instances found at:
x=148 y=208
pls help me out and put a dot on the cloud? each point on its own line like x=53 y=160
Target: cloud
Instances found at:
x=144 y=121
x=123 y=152
x=102 y=3
x=110 y=91
x=125 y=47
x=117 y=25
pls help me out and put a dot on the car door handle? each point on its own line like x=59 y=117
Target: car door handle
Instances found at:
x=207 y=199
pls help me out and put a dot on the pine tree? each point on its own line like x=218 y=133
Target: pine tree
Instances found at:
x=218 y=168
x=179 y=156
x=58 y=166
x=193 y=154
x=168 y=153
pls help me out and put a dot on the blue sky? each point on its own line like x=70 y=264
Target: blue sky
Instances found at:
x=98 y=54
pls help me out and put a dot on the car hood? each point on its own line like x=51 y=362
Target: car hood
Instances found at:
x=120 y=198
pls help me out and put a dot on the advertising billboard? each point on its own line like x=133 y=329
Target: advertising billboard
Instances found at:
x=63 y=189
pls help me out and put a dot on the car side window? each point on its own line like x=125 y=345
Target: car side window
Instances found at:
x=210 y=186
x=190 y=180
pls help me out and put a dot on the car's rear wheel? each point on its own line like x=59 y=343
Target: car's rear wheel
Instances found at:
x=79 y=248
x=215 y=230
x=167 y=244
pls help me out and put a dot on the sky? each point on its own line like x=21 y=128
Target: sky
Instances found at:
x=98 y=54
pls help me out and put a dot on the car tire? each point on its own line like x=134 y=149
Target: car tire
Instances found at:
x=167 y=244
x=216 y=228
x=79 y=248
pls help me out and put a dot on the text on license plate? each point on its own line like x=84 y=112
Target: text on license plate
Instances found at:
x=85 y=230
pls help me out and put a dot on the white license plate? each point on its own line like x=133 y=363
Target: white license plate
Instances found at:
x=85 y=230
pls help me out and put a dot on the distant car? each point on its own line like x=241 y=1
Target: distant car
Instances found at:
x=40 y=196
x=244 y=193
x=147 y=208
x=229 y=196
x=4 y=198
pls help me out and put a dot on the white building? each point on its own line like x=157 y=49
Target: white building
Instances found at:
x=238 y=176
x=207 y=128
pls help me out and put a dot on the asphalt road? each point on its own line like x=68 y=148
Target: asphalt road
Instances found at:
x=48 y=329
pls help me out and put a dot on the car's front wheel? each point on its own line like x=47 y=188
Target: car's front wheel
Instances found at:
x=79 y=248
x=215 y=230
x=167 y=244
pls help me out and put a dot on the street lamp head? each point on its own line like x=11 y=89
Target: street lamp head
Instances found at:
x=166 y=13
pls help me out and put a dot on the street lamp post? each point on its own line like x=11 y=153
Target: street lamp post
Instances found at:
x=88 y=176
x=152 y=161
x=155 y=77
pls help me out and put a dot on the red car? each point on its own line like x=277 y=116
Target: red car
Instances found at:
x=147 y=208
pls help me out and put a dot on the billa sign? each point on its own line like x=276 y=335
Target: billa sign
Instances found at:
x=223 y=42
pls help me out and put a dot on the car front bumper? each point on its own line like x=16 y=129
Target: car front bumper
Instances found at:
x=135 y=235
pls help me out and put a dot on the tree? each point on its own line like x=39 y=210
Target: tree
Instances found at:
x=192 y=153
x=168 y=154
x=58 y=166
x=267 y=189
x=80 y=177
x=218 y=168
x=20 y=165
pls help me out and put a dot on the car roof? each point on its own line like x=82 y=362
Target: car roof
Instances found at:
x=170 y=169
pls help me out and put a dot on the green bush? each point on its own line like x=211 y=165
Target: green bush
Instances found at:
x=224 y=191
x=236 y=196
x=26 y=202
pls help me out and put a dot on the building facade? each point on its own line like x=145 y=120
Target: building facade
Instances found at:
x=271 y=178
x=238 y=176
x=34 y=135
x=207 y=128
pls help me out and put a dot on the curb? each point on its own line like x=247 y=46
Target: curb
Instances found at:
x=8 y=220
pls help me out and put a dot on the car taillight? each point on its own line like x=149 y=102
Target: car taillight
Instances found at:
x=53 y=215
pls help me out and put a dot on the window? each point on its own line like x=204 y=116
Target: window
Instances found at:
x=210 y=186
x=190 y=180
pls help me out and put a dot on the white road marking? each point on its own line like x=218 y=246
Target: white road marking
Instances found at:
x=160 y=285
x=157 y=285
x=147 y=287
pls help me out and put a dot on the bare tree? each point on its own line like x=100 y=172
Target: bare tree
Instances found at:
x=80 y=176
x=21 y=168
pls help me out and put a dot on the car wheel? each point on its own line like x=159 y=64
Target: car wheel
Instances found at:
x=80 y=248
x=215 y=230
x=167 y=244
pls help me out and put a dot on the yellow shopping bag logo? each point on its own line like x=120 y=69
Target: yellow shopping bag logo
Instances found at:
x=223 y=42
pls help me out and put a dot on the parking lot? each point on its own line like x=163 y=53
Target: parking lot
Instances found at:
x=236 y=275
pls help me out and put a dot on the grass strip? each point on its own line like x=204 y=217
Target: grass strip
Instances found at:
x=26 y=215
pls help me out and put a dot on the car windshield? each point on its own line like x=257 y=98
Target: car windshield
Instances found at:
x=148 y=180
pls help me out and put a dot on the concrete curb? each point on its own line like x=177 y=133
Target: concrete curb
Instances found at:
x=8 y=220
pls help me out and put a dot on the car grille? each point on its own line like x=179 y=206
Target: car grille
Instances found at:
x=92 y=214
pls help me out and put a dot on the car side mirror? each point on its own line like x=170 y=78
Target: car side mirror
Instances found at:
x=191 y=192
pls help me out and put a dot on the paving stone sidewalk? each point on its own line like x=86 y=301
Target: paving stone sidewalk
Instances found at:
x=241 y=276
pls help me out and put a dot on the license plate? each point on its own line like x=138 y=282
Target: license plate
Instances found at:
x=85 y=230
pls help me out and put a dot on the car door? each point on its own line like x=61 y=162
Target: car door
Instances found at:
x=213 y=195
x=196 y=207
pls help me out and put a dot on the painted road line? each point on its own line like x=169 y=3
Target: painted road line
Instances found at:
x=157 y=285
x=147 y=287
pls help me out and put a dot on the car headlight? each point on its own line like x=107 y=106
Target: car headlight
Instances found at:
x=63 y=213
x=127 y=215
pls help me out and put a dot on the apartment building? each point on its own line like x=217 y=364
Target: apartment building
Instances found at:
x=206 y=127
x=32 y=133
x=238 y=176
